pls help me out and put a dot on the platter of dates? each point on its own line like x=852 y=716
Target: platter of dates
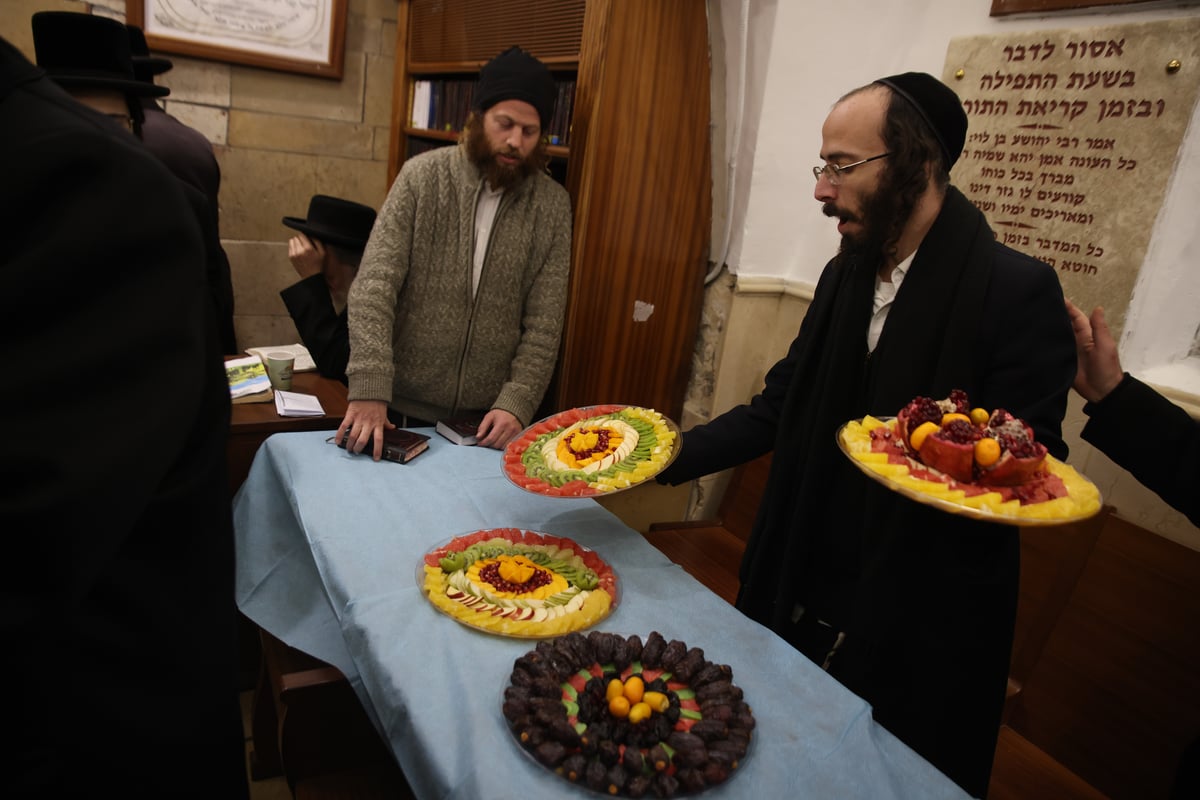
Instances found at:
x=626 y=716
x=591 y=450
x=983 y=464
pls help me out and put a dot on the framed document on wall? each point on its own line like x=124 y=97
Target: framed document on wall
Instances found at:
x=305 y=36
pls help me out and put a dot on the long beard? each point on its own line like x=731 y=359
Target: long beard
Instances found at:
x=880 y=226
x=497 y=175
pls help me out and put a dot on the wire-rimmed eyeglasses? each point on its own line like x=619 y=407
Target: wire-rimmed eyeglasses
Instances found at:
x=833 y=173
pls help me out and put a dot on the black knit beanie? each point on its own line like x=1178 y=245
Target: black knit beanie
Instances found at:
x=938 y=105
x=516 y=75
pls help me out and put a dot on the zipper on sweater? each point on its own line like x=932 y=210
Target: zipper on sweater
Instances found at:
x=505 y=202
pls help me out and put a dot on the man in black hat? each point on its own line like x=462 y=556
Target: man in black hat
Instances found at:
x=90 y=57
x=326 y=254
x=118 y=612
x=185 y=151
x=189 y=155
x=459 y=303
x=910 y=607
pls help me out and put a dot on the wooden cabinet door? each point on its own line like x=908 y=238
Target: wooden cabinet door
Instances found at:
x=639 y=177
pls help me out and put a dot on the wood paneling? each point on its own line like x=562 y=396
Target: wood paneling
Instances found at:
x=711 y=550
x=639 y=175
x=470 y=32
x=1023 y=771
x=1114 y=694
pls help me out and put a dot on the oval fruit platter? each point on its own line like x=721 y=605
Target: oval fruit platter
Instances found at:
x=518 y=583
x=1055 y=495
x=591 y=450
x=629 y=717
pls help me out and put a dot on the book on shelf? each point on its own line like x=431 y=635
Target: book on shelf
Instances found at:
x=248 y=381
x=304 y=360
x=441 y=105
x=461 y=429
x=399 y=444
x=558 y=131
x=420 y=104
x=297 y=404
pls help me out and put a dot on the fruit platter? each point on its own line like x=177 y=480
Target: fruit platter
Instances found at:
x=968 y=460
x=591 y=450
x=518 y=583
x=628 y=717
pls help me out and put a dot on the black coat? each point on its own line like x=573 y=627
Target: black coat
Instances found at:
x=1118 y=427
x=189 y=156
x=324 y=331
x=927 y=600
x=118 y=617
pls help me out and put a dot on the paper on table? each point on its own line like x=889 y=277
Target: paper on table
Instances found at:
x=304 y=360
x=297 y=404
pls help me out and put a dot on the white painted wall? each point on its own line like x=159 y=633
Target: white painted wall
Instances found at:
x=787 y=62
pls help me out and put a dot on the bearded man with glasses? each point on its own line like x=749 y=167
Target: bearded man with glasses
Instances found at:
x=910 y=607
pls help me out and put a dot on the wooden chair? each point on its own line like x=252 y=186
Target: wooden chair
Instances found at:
x=711 y=550
x=309 y=726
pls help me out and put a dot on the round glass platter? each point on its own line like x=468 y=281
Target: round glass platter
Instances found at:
x=551 y=605
x=975 y=501
x=608 y=474
x=546 y=738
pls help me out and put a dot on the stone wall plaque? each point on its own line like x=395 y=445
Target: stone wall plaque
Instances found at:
x=1072 y=139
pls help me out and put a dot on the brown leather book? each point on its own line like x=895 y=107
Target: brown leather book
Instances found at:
x=399 y=445
x=460 y=430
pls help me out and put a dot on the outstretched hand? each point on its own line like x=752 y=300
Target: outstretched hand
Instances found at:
x=1099 y=369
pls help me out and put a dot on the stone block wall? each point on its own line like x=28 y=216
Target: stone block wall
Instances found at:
x=279 y=137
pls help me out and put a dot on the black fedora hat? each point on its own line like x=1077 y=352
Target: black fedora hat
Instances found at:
x=336 y=221
x=88 y=52
x=145 y=66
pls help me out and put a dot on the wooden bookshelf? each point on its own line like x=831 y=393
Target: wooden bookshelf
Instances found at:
x=637 y=170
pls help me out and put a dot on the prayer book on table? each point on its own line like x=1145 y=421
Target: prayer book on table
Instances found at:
x=460 y=430
x=399 y=445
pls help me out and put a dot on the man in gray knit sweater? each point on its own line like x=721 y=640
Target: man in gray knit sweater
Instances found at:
x=458 y=304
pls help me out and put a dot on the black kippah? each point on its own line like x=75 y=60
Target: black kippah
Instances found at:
x=516 y=75
x=938 y=105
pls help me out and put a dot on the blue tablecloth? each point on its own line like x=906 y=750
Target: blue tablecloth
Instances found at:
x=329 y=547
